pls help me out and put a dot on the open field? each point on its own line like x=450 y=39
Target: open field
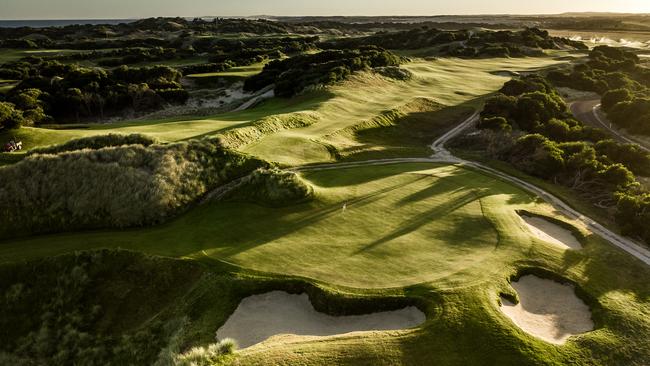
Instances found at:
x=446 y=233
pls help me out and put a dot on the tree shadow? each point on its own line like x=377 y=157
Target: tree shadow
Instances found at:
x=426 y=217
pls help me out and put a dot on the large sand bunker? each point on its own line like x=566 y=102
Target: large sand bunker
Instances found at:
x=551 y=233
x=259 y=317
x=548 y=310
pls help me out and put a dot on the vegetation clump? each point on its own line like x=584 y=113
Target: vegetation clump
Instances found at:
x=92 y=309
x=293 y=75
x=216 y=354
x=272 y=187
x=242 y=136
x=118 y=186
x=96 y=143
x=464 y=43
x=68 y=92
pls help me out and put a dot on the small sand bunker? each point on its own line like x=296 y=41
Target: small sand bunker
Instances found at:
x=552 y=233
x=259 y=317
x=548 y=310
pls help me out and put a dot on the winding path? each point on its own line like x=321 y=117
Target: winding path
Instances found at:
x=442 y=155
x=587 y=112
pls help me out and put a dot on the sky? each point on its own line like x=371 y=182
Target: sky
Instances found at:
x=126 y=9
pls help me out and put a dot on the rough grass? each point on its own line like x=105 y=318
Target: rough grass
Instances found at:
x=115 y=186
x=271 y=187
x=240 y=137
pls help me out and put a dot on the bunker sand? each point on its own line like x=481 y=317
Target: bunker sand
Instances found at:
x=548 y=310
x=259 y=317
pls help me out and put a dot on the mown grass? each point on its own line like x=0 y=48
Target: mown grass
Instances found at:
x=439 y=232
x=239 y=72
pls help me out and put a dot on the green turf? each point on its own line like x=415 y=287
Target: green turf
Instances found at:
x=239 y=72
x=452 y=233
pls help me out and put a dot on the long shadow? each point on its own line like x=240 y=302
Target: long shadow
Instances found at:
x=339 y=178
x=423 y=219
x=288 y=227
x=449 y=179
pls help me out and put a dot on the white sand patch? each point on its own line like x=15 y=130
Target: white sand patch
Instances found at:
x=259 y=317
x=552 y=233
x=548 y=310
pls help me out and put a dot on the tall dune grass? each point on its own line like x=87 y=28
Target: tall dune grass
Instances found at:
x=123 y=186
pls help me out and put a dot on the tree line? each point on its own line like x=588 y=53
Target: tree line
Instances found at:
x=532 y=129
x=617 y=75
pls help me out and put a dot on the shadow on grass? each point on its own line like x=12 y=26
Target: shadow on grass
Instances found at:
x=426 y=217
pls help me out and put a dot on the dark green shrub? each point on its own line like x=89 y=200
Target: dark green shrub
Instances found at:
x=96 y=142
x=495 y=124
x=10 y=117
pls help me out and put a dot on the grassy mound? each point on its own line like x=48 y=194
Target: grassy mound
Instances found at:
x=113 y=187
x=240 y=137
x=96 y=142
x=407 y=130
x=272 y=187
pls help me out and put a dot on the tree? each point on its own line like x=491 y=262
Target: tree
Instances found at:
x=10 y=117
x=537 y=155
x=613 y=97
x=495 y=124
x=536 y=108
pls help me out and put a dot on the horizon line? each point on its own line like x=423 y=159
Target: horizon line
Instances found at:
x=333 y=15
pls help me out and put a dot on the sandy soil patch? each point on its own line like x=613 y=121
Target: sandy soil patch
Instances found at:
x=259 y=317
x=548 y=310
x=552 y=233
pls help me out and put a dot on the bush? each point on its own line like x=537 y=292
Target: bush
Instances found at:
x=293 y=75
x=54 y=312
x=613 y=97
x=633 y=215
x=10 y=117
x=96 y=143
x=538 y=156
x=213 y=355
x=495 y=124
x=121 y=186
x=272 y=187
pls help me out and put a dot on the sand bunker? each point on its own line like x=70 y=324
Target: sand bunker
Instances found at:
x=548 y=310
x=552 y=233
x=262 y=316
